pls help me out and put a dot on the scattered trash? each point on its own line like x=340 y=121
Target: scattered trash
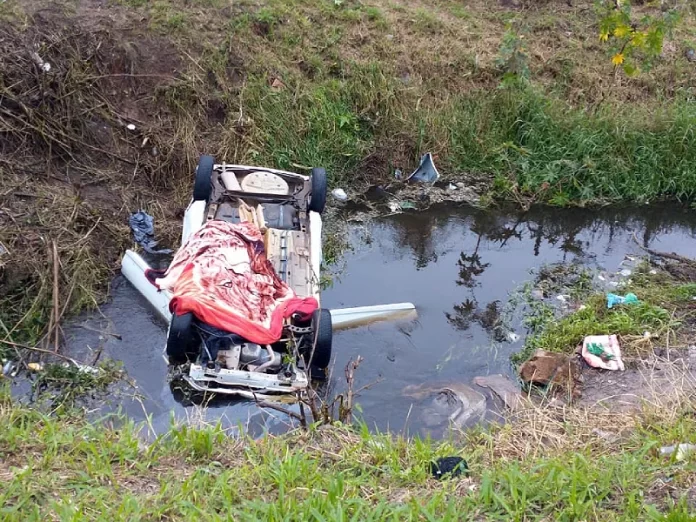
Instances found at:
x=581 y=307
x=393 y=206
x=398 y=174
x=613 y=284
x=449 y=467
x=8 y=368
x=682 y=450
x=602 y=351
x=690 y=55
x=537 y=294
x=143 y=226
x=390 y=37
x=653 y=272
x=130 y=127
x=407 y=205
x=44 y=66
x=613 y=299
x=601 y=277
x=426 y=171
x=339 y=194
x=451 y=187
x=512 y=337
x=647 y=335
x=34 y=367
x=625 y=272
x=563 y=298
x=86 y=369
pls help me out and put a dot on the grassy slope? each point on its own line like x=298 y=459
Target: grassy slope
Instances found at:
x=65 y=469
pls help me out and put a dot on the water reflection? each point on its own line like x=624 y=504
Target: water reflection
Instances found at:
x=456 y=264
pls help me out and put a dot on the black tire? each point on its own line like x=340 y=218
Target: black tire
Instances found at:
x=182 y=341
x=322 y=340
x=203 y=185
x=317 y=199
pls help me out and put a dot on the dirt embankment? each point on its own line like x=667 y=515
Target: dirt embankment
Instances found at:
x=86 y=136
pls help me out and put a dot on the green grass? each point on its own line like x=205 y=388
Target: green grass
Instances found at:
x=664 y=303
x=66 y=469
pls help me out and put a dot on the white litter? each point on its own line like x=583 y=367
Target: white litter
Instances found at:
x=563 y=298
x=339 y=194
x=86 y=369
x=601 y=277
x=44 y=66
x=610 y=346
x=653 y=272
x=393 y=206
x=451 y=187
x=625 y=272
x=682 y=450
x=513 y=337
x=130 y=127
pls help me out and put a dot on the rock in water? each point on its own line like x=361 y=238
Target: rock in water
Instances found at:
x=503 y=388
x=455 y=404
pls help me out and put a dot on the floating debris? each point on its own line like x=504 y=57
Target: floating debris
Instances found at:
x=339 y=194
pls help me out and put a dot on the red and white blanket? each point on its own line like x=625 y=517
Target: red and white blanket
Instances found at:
x=221 y=275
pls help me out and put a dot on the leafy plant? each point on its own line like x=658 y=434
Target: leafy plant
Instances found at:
x=634 y=43
x=512 y=58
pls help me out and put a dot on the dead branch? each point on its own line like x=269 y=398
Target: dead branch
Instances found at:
x=665 y=255
x=56 y=299
x=276 y=407
x=40 y=350
x=346 y=410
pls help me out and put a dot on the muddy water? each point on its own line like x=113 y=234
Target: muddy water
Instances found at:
x=448 y=261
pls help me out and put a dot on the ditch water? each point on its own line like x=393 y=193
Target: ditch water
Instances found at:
x=453 y=263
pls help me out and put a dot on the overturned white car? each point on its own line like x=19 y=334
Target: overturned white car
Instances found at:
x=242 y=294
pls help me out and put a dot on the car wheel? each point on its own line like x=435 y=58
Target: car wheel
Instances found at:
x=317 y=200
x=203 y=184
x=322 y=339
x=182 y=342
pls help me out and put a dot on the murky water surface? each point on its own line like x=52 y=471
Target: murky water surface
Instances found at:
x=453 y=263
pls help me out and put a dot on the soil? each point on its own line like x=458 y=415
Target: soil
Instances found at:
x=652 y=380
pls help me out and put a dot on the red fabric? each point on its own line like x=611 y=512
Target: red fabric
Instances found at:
x=221 y=275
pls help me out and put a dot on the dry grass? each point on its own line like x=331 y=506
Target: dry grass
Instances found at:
x=548 y=461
